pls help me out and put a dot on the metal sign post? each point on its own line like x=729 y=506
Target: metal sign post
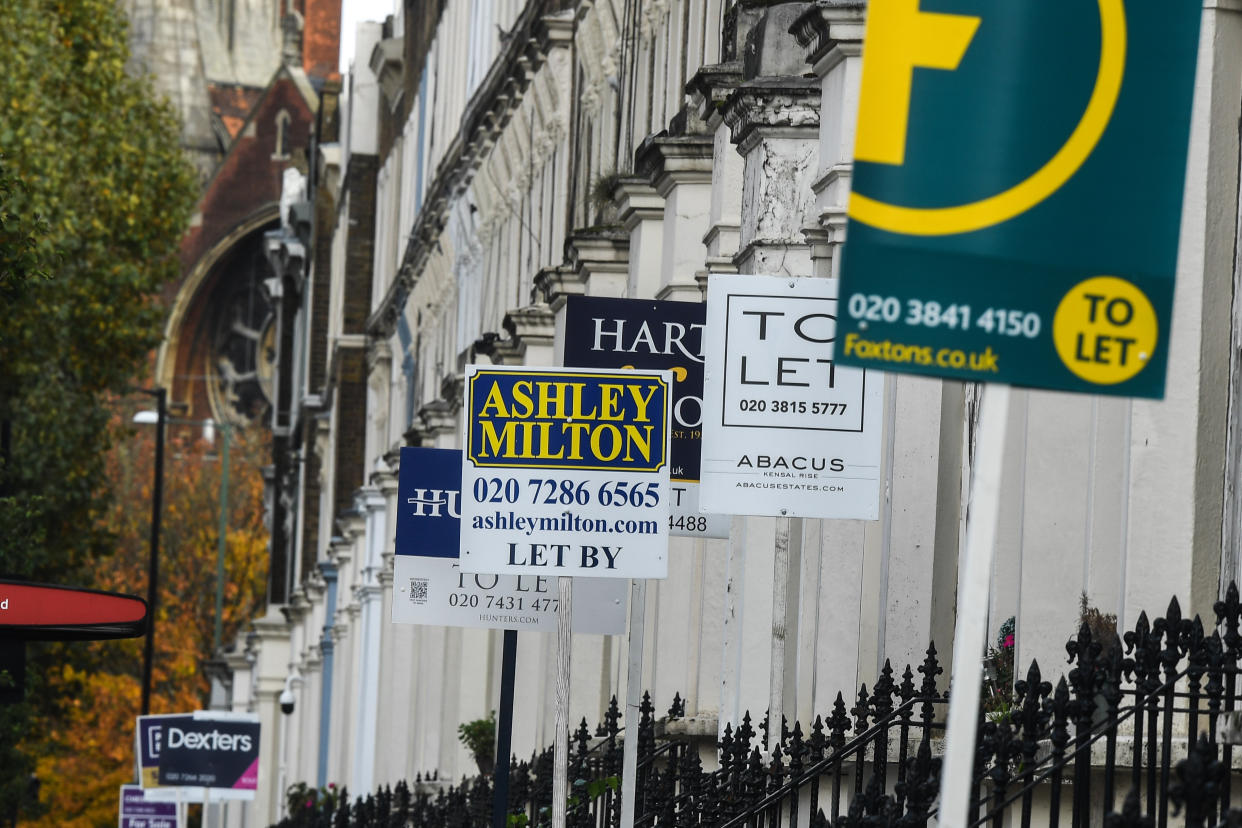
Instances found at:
x=633 y=700
x=560 y=721
x=972 y=607
x=504 y=731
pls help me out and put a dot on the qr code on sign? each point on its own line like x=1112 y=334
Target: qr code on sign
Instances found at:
x=418 y=590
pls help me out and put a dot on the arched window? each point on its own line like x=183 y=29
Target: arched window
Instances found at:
x=283 y=139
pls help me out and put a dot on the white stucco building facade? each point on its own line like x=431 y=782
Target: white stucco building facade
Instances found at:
x=538 y=150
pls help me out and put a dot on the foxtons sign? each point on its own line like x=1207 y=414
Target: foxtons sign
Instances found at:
x=643 y=333
x=566 y=472
x=1004 y=223
x=429 y=586
x=786 y=431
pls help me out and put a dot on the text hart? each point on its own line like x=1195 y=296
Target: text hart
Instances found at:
x=644 y=339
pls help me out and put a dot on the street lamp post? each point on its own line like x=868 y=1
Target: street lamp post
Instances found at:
x=153 y=560
x=226 y=436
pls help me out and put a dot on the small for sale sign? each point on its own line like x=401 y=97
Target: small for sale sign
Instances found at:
x=566 y=472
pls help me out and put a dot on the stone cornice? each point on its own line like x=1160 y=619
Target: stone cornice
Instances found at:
x=531 y=325
x=829 y=25
x=340 y=551
x=385 y=479
x=770 y=105
x=352 y=522
x=523 y=54
x=637 y=201
x=589 y=251
x=379 y=353
x=711 y=86
x=371 y=498
x=553 y=284
x=438 y=417
x=386 y=61
x=667 y=160
x=297 y=608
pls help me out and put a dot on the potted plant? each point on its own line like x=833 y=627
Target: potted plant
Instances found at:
x=998 y=674
x=479 y=737
x=1103 y=625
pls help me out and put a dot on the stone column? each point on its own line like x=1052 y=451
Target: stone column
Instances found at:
x=641 y=212
x=369 y=594
x=270 y=646
x=773 y=117
x=710 y=88
x=392 y=754
x=339 y=741
x=833 y=35
x=679 y=167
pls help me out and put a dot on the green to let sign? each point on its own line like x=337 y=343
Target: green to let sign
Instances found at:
x=1017 y=191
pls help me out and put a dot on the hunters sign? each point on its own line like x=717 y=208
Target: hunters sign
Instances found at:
x=1014 y=211
x=430 y=588
x=566 y=472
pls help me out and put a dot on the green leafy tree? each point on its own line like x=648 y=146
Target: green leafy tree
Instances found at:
x=94 y=198
x=95 y=161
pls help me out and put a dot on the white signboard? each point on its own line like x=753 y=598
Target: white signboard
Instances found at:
x=566 y=472
x=602 y=332
x=785 y=431
x=430 y=588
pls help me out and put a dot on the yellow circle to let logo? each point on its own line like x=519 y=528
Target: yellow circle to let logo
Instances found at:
x=963 y=218
x=1105 y=330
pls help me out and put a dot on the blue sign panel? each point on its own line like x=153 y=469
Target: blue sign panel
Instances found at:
x=644 y=333
x=152 y=731
x=429 y=586
x=429 y=503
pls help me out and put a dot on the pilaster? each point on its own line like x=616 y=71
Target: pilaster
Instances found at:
x=833 y=35
x=531 y=330
x=270 y=647
x=710 y=89
x=640 y=210
x=774 y=122
x=599 y=260
x=679 y=168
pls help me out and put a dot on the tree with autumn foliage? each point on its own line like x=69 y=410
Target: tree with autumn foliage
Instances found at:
x=89 y=750
x=95 y=195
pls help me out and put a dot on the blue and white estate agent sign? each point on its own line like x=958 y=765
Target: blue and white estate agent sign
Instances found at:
x=430 y=588
x=785 y=430
x=603 y=332
x=566 y=472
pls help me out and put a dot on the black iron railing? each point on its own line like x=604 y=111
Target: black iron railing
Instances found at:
x=1138 y=714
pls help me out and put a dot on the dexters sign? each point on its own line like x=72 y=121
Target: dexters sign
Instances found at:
x=429 y=586
x=566 y=472
x=185 y=755
x=1014 y=215
x=786 y=431
x=644 y=333
x=212 y=750
x=150 y=736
